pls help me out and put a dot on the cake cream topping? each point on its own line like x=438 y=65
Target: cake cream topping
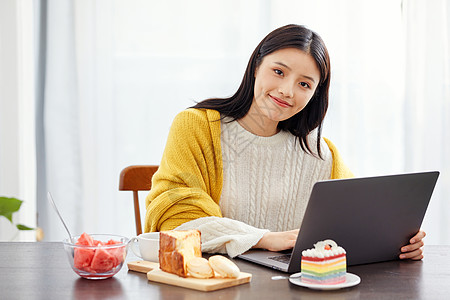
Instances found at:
x=324 y=249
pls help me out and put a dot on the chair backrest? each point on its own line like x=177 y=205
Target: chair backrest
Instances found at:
x=137 y=178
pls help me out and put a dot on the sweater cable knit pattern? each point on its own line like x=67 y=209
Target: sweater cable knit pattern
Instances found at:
x=274 y=177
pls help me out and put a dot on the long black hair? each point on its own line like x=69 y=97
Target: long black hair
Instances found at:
x=312 y=115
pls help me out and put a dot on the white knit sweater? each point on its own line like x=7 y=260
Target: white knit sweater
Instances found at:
x=266 y=186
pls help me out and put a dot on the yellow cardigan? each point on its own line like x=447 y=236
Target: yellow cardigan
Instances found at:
x=188 y=183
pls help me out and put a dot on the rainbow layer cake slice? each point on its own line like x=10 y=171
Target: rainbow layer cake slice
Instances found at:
x=326 y=263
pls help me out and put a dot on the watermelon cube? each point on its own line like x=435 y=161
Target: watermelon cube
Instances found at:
x=102 y=261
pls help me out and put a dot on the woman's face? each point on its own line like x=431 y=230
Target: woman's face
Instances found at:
x=285 y=81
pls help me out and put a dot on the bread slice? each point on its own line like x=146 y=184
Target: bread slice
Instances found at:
x=176 y=248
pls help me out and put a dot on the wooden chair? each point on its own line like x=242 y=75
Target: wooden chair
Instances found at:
x=137 y=178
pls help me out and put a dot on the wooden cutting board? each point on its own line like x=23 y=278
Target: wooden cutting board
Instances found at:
x=142 y=266
x=154 y=273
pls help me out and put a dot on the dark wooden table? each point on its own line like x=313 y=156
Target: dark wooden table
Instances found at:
x=41 y=271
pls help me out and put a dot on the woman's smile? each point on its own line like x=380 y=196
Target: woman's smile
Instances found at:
x=280 y=102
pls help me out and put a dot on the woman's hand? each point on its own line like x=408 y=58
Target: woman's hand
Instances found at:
x=414 y=249
x=278 y=241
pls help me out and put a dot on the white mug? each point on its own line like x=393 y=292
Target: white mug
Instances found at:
x=148 y=246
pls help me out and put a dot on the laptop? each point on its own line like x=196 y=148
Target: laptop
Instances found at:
x=370 y=217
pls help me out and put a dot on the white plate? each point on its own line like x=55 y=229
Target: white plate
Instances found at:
x=350 y=280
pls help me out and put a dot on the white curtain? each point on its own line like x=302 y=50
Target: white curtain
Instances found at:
x=117 y=73
x=17 y=138
x=427 y=104
x=80 y=122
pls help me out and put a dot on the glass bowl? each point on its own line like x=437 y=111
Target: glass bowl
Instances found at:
x=102 y=260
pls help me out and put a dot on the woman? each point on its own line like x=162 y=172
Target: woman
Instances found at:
x=240 y=169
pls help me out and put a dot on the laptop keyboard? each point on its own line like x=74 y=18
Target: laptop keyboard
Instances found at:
x=282 y=258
